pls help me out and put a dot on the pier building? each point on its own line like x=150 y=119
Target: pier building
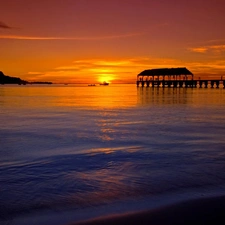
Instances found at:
x=174 y=77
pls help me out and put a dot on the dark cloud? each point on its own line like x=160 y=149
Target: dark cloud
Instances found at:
x=4 y=26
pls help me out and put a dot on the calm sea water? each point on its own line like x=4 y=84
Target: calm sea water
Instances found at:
x=79 y=147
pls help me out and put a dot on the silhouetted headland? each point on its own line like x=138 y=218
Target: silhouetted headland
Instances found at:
x=40 y=82
x=10 y=80
x=16 y=80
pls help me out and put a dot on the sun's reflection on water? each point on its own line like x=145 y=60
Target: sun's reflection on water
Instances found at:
x=113 y=96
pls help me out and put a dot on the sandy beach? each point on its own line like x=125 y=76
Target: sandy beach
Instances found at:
x=203 y=210
x=199 y=211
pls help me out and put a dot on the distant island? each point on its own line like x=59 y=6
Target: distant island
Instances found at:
x=16 y=80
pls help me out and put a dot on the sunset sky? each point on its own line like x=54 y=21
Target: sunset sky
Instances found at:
x=89 y=41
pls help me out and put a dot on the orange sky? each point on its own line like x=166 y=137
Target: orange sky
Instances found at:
x=89 y=41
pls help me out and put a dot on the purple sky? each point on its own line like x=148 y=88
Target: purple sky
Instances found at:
x=113 y=40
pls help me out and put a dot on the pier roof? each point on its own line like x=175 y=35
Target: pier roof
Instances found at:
x=165 y=72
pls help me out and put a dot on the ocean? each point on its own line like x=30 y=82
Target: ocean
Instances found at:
x=75 y=152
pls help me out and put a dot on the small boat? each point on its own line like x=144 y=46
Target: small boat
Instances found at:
x=91 y=85
x=104 y=83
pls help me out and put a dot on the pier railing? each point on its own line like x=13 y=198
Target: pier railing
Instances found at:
x=182 y=83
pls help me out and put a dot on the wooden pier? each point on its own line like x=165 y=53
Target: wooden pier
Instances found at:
x=175 y=77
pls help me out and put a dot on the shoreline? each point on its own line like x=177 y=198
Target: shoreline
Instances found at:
x=210 y=210
x=152 y=210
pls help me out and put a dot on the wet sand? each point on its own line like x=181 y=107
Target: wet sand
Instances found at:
x=201 y=211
